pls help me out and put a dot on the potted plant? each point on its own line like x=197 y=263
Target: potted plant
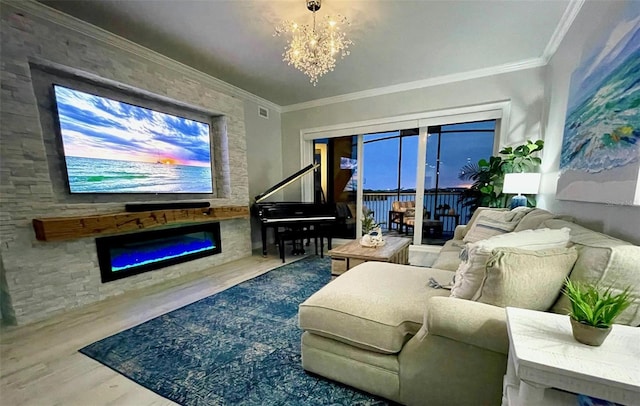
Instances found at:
x=488 y=176
x=593 y=310
x=368 y=221
x=371 y=231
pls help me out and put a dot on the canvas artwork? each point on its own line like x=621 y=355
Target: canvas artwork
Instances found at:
x=600 y=159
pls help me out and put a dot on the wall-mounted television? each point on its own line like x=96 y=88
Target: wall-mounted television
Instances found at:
x=115 y=147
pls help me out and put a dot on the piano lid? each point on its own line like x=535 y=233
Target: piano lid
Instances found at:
x=286 y=182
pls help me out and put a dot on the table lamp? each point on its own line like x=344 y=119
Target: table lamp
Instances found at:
x=521 y=183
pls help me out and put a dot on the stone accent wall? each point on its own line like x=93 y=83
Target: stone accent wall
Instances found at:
x=39 y=279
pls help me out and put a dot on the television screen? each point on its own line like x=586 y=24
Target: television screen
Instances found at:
x=116 y=147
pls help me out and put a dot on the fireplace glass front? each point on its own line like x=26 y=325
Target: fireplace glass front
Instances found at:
x=130 y=254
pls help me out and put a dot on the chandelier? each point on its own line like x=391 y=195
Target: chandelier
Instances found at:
x=312 y=49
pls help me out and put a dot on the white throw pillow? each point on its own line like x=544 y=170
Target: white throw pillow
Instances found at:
x=472 y=269
x=539 y=239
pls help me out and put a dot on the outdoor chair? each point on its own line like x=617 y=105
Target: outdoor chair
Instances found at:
x=400 y=213
x=429 y=226
x=403 y=216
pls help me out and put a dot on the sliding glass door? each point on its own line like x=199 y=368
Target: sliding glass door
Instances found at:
x=451 y=149
x=389 y=165
x=336 y=180
x=389 y=169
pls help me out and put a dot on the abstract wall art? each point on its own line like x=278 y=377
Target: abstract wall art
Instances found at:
x=600 y=158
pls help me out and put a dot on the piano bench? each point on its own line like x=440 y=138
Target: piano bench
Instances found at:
x=297 y=237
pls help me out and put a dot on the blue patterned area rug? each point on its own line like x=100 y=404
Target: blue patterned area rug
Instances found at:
x=238 y=347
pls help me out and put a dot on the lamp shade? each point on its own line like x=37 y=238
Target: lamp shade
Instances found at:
x=521 y=183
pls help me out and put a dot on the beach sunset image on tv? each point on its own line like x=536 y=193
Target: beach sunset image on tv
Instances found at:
x=116 y=147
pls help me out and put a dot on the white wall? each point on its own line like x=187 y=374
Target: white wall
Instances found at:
x=523 y=88
x=594 y=19
x=264 y=157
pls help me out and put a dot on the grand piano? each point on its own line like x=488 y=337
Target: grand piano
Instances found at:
x=294 y=215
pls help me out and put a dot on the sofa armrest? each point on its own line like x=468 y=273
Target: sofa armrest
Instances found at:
x=474 y=323
x=458 y=233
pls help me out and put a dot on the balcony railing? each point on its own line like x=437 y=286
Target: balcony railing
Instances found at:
x=380 y=204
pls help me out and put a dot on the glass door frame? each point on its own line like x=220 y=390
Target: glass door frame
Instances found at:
x=500 y=111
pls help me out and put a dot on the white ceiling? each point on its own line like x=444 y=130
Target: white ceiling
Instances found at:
x=395 y=41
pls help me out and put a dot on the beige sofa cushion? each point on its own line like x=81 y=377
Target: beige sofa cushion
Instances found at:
x=528 y=279
x=472 y=270
x=534 y=219
x=604 y=260
x=449 y=256
x=376 y=306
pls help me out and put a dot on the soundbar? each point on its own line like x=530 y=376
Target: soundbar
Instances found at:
x=138 y=207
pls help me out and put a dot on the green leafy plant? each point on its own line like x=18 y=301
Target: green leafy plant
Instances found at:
x=368 y=221
x=488 y=175
x=595 y=306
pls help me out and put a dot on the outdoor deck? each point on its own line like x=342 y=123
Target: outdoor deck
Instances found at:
x=380 y=203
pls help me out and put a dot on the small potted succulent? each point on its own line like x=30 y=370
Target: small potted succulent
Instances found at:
x=593 y=310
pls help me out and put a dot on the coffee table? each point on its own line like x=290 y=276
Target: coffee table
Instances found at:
x=345 y=257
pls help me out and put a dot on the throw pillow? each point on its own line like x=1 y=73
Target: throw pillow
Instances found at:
x=490 y=223
x=538 y=239
x=471 y=271
x=524 y=278
x=476 y=213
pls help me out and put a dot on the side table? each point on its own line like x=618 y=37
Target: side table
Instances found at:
x=543 y=354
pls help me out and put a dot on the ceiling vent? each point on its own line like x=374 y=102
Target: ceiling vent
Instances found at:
x=263 y=112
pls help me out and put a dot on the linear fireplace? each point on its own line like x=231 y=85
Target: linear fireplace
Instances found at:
x=130 y=254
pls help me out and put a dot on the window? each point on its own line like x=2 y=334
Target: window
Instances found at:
x=392 y=172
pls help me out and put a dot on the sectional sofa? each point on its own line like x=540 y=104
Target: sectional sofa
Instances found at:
x=394 y=331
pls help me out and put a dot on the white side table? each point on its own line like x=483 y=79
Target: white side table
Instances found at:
x=543 y=354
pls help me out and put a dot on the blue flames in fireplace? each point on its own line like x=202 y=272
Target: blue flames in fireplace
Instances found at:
x=125 y=255
x=162 y=249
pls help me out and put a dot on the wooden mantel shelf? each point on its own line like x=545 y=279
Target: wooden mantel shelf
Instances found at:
x=67 y=228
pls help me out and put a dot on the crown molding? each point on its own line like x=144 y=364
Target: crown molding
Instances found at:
x=567 y=19
x=419 y=84
x=570 y=14
x=39 y=10
x=44 y=12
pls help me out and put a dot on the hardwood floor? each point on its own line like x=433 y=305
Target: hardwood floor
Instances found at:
x=40 y=363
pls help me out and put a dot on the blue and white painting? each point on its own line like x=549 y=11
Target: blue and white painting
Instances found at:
x=600 y=158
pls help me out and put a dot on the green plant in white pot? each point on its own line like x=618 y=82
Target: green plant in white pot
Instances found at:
x=593 y=310
x=368 y=221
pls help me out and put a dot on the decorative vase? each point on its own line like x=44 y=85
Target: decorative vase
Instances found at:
x=587 y=334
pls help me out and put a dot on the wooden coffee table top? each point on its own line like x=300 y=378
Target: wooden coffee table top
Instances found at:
x=382 y=254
